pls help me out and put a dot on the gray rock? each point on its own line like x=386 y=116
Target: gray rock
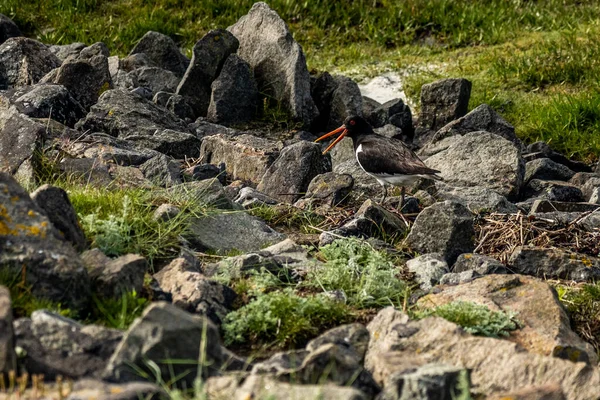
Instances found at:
x=113 y=278
x=205 y=171
x=554 y=264
x=346 y=100
x=277 y=60
x=443 y=102
x=545 y=206
x=93 y=389
x=234 y=98
x=144 y=92
x=24 y=61
x=96 y=49
x=232 y=231
x=180 y=106
x=288 y=177
x=354 y=336
x=49 y=101
x=55 y=203
x=481 y=159
x=67 y=50
x=209 y=55
x=108 y=149
x=479 y=263
x=343 y=161
x=393 y=112
x=164 y=333
x=156 y=79
x=541 y=149
x=208 y=192
x=27 y=238
x=8 y=29
x=248 y=197
x=86 y=79
x=166 y=212
x=280 y=363
x=329 y=188
x=170 y=142
x=20 y=139
x=446 y=228
x=162 y=51
x=456 y=278
x=162 y=171
x=246 y=157
x=551 y=391
x=161 y=98
x=140 y=60
x=203 y=128
x=93 y=171
x=428 y=269
x=546 y=169
x=193 y=292
x=552 y=191
x=595 y=196
x=8 y=357
x=322 y=87
x=588 y=188
x=482 y=118
x=476 y=198
x=54 y=345
x=429 y=382
x=120 y=113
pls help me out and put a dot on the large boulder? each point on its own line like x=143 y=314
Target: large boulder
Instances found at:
x=162 y=51
x=277 y=60
x=553 y=263
x=24 y=61
x=31 y=248
x=49 y=101
x=8 y=29
x=20 y=139
x=8 y=358
x=481 y=159
x=443 y=101
x=235 y=97
x=209 y=55
x=288 y=177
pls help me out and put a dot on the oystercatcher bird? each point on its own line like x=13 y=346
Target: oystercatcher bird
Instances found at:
x=389 y=161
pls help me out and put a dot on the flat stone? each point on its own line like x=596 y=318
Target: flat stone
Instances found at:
x=479 y=263
x=476 y=198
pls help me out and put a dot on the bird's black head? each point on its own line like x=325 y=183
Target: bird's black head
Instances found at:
x=354 y=126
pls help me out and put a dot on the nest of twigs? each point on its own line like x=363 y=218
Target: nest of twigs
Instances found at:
x=499 y=234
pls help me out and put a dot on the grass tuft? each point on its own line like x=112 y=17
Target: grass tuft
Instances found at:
x=583 y=305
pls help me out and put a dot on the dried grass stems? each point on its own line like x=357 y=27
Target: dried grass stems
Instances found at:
x=498 y=235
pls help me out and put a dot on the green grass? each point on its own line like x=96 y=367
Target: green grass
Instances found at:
x=289 y=217
x=117 y=313
x=583 y=305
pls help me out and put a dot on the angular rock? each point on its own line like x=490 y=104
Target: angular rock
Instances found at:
x=445 y=228
x=481 y=159
x=322 y=87
x=93 y=389
x=541 y=149
x=49 y=101
x=139 y=60
x=246 y=157
x=554 y=264
x=288 y=177
x=55 y=203
x=193 y=292
x=477 y=198
x=180 y=106
x=156 y=79
x=546 y=169
x=496 y=365
x=113 y=278
x=346 y=100
x=329 y=188
x=8 y=29
x=8 y=357
x=354 y=336
x=479 y=263
x=482 y=118
x=166 y=212
x=457 y=278
x=544 y=326
x=588 y=187
x=443 y=102
x=205 y=171
x=90 y=170
x=162 y=51
x=67 y=50
x=120 y=113
x=54 y=345
x=169 y=142
x=162 y=171
x=393 y=112
x=53 y=268
x=209 y=55
x=235 y=97
x=20 y=139
x=277 y=60
x=96 y=49
x=24 y=61
x=552 y=191
x=428 y=269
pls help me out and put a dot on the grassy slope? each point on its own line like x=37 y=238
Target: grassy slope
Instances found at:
x=535 y=62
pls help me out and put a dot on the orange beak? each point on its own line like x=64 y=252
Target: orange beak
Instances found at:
x=336 y=141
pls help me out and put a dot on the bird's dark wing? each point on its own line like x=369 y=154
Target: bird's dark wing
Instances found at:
x=381 y=155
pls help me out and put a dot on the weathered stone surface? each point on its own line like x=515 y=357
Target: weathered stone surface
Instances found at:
x=180 y=106
x=8 y=29
x=206 y=171
x=163 y=333
x=428 y=269
x=209 y=55
x=166 y=212
x=277 y=60
x=552 y=263
x=496 y=365
x=446 y=228
x=90 y=170
x=112 y=278
x=193 y=292
x=354 y=336
x=55 y=345
x=94 y=389
x=138 y=60
x=456 y=278
x=551 y=391
x=20 y=137
x=162 y=51
x=475 y=198
x=544 y=325
x=329 y=188
x=288 y=177
x=233 y=231
x=55 y=203
x=322 y=87
x=246 y=157
x=86 y=79
x=248 y=197
x=546 y=206
x=156 y=79
x=346 y=100
x=8 y=358
x=482 y=118
x=53 y=268
x=172 y=143
x=235 y=97
x=541 y=149
x=49 y=101
x=443 y=101
x=208 y=192
x=481 y=159
x=162 y=171
x=96 y=49
x=67 y=50
x=24 y=61
x=545 y=168
x=552 y=191
x=120 y=113
x=479 y=263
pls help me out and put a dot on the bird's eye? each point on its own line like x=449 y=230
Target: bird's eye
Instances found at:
x=352 y=122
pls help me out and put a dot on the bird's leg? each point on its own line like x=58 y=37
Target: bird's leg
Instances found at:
x=384 y=195
x=402 y=194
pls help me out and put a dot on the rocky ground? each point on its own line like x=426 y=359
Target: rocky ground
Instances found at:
x=190 y=193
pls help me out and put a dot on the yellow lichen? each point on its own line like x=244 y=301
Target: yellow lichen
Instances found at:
x=14 y=199
x=31 y=213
